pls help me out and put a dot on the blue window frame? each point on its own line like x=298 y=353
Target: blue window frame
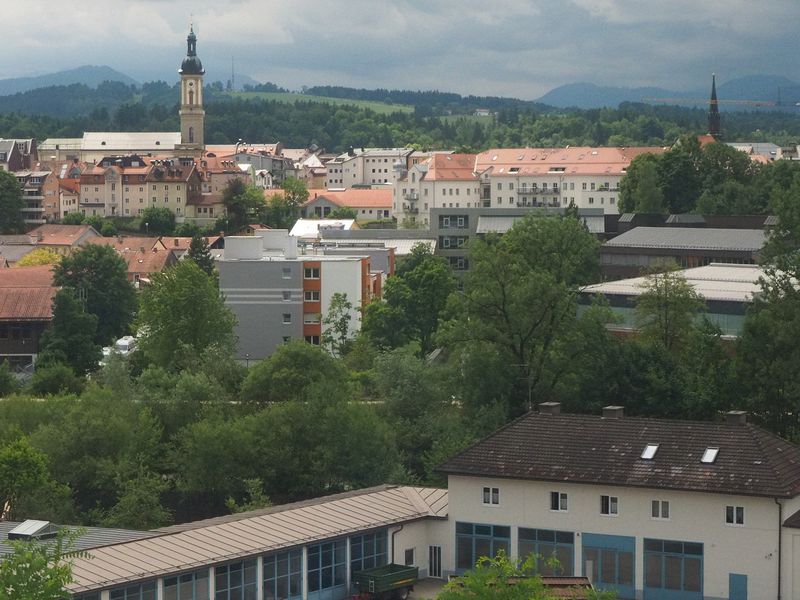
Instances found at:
x=609 y=561
x=673 y=570
x=188 y=586
x=547 y=544
x=474 y=540
x=327 y=570
x=137 y=591
x=236 y=581
x=367 y=551
x=283 y=575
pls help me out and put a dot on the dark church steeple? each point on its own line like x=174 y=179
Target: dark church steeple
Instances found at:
x=713 y=110
x=191 y=65
x=192 y=113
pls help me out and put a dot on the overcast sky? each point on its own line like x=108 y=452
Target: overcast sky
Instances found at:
x=520 y=48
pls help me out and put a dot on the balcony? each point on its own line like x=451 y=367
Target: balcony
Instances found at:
x=412 y=210
x=411 y=196
x=32 y=209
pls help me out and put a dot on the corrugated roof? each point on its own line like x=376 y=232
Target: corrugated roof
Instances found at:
x=598 y=450
x=501 y=224
x=93 y=537
x=26 y=293
x=130 y=140
x=402 y=247
x=227 y=538
x=690 y=238
x=722 y=282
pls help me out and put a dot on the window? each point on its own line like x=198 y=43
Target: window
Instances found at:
x=139 y=591
x=327 y=566
x=311 y=273
x=559 y=501
x=609 y=562
x=283 y=575
x=287 y=319
x=311 y=319
x=609 y=505
x=236 y=581
x=673 y=565
x=491 y=496
x=547 y=544
x=649 y=451
x=368 y=551
x=311 y=296
x=286 y=273
x=734 y=515
x=584 y=186
x=499 y=186
x=409 y=556
x=659 y=509
x=710 y=455
x=189 y=586
x=312 y=339
x=474 y=541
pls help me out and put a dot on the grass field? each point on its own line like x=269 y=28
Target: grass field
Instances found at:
x=378 y=107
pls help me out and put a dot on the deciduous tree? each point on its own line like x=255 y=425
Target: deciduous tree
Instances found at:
x=71 y=337
x=10 y=204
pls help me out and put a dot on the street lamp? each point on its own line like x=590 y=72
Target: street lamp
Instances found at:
x=247 y=359
x=147 y=227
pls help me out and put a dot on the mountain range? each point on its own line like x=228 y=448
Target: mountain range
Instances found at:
x=89 y=75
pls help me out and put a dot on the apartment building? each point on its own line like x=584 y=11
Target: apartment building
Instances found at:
x=366 y=167
x=39 y=196
x=583 y=176
x=279 y=292
x=441 y=181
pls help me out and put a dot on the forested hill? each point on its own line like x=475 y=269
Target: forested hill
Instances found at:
x=299 y=120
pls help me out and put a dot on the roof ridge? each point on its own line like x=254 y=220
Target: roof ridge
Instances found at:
x=758 y=440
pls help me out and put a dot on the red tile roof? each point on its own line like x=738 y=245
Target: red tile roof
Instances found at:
x=451 y=167
x=125 y=242
x=26 y=294
x=147 y=262
x=354 y=198
x=60 y=235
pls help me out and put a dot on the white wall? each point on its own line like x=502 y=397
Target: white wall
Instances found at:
x=751 y=549
x=342 y=276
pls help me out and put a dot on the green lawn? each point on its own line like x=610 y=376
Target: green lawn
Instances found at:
x=378 y=107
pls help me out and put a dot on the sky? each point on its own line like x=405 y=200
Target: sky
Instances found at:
x=519 y=48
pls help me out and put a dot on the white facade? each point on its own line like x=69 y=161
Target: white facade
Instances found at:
x=557 y=190
x=365 y=167
x=414 y=198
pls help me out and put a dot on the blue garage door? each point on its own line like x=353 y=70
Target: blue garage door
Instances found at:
x=737 y=586
x=673 y=570
x=608 y=560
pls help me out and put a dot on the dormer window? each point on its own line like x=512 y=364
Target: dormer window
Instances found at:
x=710 y=455
x=649 y=451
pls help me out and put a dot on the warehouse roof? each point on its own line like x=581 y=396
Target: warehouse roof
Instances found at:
x=92 y=537
x=501 y=224
x=611 y=451
x=231 y=537
x=690 y=238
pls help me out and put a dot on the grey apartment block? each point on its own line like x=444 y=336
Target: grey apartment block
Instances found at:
x=267 y=298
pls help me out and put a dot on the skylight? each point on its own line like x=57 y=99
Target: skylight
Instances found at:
x=710 y=455
x=649 y=451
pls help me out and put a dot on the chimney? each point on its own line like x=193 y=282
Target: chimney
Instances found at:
x=177 y=242
x=550 y=408
x=736 y=417
x=613 y=412
x=141 y=249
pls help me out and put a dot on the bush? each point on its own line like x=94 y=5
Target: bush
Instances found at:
x=73 y=218
x=108 y=229
x=95 y=221
x=55 y=378
x=8 y=383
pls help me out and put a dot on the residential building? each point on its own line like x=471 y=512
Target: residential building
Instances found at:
x=18 y=155
x=727 y=289
x=557 y=177
x=651 y=508
x=369 y=204
x=142 y=263
x=443 y=180
x=39 y=196
x=365 y=167
x=633 y=252
x=174 y=184
x=278 y=294
x=26 y=311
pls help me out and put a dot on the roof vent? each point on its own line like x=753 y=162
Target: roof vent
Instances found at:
x=736 y=417
x=33 y=530
x=649 y=451
x=710 y=455
x=550 y=408
x=613 y=412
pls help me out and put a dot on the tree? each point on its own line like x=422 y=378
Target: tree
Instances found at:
x=39 y=570
x=8 y=383
x=187 y=229
x=291 y=372
x=294 y=191
x=255 y=497
x=279 y=212
x=95 y=221
x=23 y=471
x=73 y=218
x=648 y=197
x=10 y=204
x=55 y=378
x=71 y=337
x=157 y=220
x=415 y=297
x=181 y=313
x=343 y=212
x=200 y=254
x=139 y=503
x=243 y=203
x=667 y=307
x=520 y=299
x=336 y=331
x=108 y=229
x=99 y=276
x=39 y=256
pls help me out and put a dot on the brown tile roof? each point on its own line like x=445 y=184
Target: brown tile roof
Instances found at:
x=183 y=243
x=607 y=451
x=149 y=261
x=193 y=545
x=70 y=185
x=60 y=235
x=451 y=167
x=26 y=294
x=121 y=243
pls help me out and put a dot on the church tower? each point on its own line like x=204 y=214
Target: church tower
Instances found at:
x=713 y=111
x=191 y=112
